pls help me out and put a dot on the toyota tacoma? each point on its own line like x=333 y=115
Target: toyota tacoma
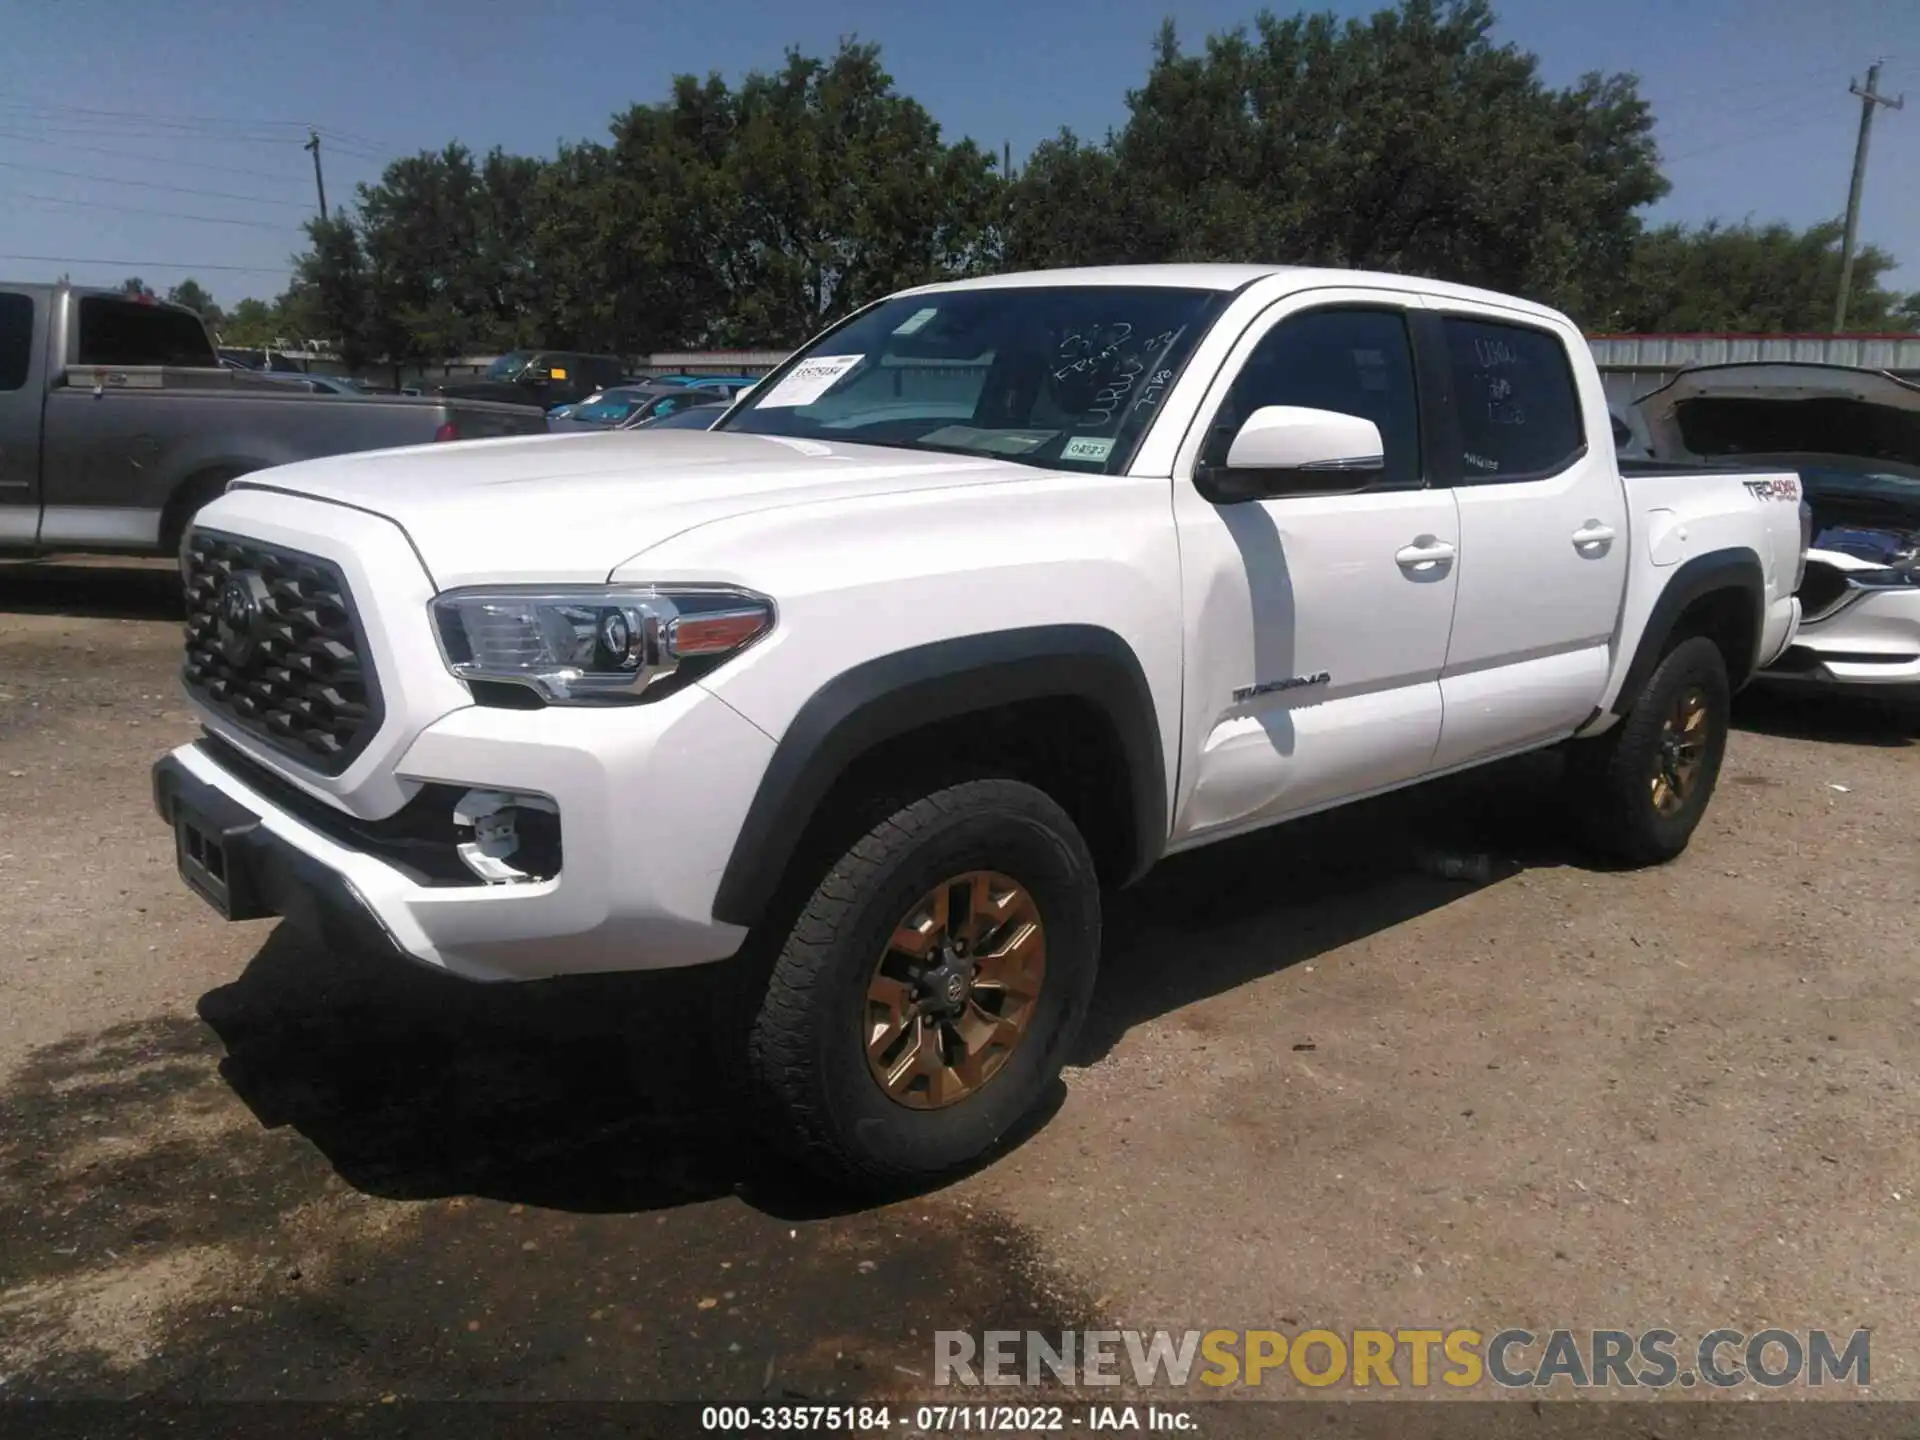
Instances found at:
x=990 y=597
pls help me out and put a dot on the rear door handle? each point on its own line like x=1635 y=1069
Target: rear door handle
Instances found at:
x=1423 y=554
x=1592 y=536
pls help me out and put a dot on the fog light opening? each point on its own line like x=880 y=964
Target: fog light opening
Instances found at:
x=493 y=818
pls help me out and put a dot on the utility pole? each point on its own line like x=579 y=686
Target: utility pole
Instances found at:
x=1869 y=98
x=319 y=181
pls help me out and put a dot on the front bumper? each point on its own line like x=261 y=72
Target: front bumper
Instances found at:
x=649 y=797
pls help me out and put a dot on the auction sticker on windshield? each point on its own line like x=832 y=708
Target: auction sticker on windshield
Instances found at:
x=809 y=380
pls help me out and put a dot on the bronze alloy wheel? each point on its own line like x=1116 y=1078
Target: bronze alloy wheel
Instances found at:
x=1683 y=744
x=955 y=989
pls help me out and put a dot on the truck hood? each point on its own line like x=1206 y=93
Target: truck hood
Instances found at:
x=574 y=508
x=1853 y=436
x=1742 y=412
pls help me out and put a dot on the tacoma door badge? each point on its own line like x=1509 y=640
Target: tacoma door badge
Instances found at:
x=1292 y=682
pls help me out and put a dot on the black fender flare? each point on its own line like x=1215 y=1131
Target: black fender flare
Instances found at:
x=892 y=695
x=1732 y=569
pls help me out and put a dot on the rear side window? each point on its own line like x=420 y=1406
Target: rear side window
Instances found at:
x=124 y=332
x=16 y=339
x=1515 y=397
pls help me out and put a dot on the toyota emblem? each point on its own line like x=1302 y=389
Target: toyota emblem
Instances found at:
x=237 y=614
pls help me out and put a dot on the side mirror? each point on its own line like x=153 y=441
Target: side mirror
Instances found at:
x=1291 y=450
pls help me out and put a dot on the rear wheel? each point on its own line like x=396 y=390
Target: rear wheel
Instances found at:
x=193 y=495
x=925 y=998
x=1640 y=789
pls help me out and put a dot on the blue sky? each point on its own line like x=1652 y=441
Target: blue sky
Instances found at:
x=1751 y=95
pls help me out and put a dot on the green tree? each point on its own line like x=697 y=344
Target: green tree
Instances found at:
x=330 y=298
x=1408 y=141
x=135 y=286
x=846 y=192
x=252 y=324
x=190 y=294
x=1753 y=279
x=1069 y=207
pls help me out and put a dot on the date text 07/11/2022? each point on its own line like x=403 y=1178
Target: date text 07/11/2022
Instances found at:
x=945 y=1419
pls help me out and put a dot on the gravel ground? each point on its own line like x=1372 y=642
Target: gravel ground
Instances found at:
x=1320 y=1088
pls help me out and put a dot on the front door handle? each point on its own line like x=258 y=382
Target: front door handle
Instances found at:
x=1424 y=555
x=1592 y=538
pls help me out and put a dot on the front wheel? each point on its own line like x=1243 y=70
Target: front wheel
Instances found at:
x=1639 y=790
x=927 y=994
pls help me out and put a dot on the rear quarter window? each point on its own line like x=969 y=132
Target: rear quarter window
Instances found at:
x=122 y=332
x=16 y=339
x=1516 y=401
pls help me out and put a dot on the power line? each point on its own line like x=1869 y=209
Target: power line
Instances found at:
x=149 y=264
x=145 y=158
x=164 y=214
x=29 y=103
x=210 y=125
x=1797 y=127
x=152 y=185
x=119 y=132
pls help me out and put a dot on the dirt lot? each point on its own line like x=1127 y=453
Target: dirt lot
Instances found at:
x=1320 y=1088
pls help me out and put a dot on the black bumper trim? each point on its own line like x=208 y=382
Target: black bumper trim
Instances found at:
x=266 y=876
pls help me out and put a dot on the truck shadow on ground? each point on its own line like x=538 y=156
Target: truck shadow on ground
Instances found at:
x=1841 y=718
x=96 y=586
x=605 y=1094
x=1244 y=909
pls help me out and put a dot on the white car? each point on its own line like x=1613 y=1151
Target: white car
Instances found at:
x=996 y=593
x=1853 y=437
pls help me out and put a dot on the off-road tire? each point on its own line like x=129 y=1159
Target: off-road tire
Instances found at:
x=806 y=1056
x=1609 y=778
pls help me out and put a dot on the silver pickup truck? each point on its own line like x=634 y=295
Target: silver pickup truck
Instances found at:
x=117 y=421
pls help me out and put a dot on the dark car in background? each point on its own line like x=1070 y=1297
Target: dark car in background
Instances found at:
x=544 y=378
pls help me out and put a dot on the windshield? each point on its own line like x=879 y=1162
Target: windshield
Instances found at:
x=509 y=365
x=1060 y=376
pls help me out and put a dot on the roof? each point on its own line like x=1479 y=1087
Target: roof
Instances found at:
x=1234 y=277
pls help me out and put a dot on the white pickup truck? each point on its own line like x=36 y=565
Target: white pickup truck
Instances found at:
x=997 y=592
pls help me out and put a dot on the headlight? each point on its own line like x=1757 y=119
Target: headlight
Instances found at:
x=596 y=643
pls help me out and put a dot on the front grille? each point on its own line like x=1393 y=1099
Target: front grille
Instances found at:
x=273 y=646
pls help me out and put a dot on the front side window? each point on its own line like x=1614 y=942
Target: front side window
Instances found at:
x=1516 y=400
x=1066 y=376
x=1355 y=361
